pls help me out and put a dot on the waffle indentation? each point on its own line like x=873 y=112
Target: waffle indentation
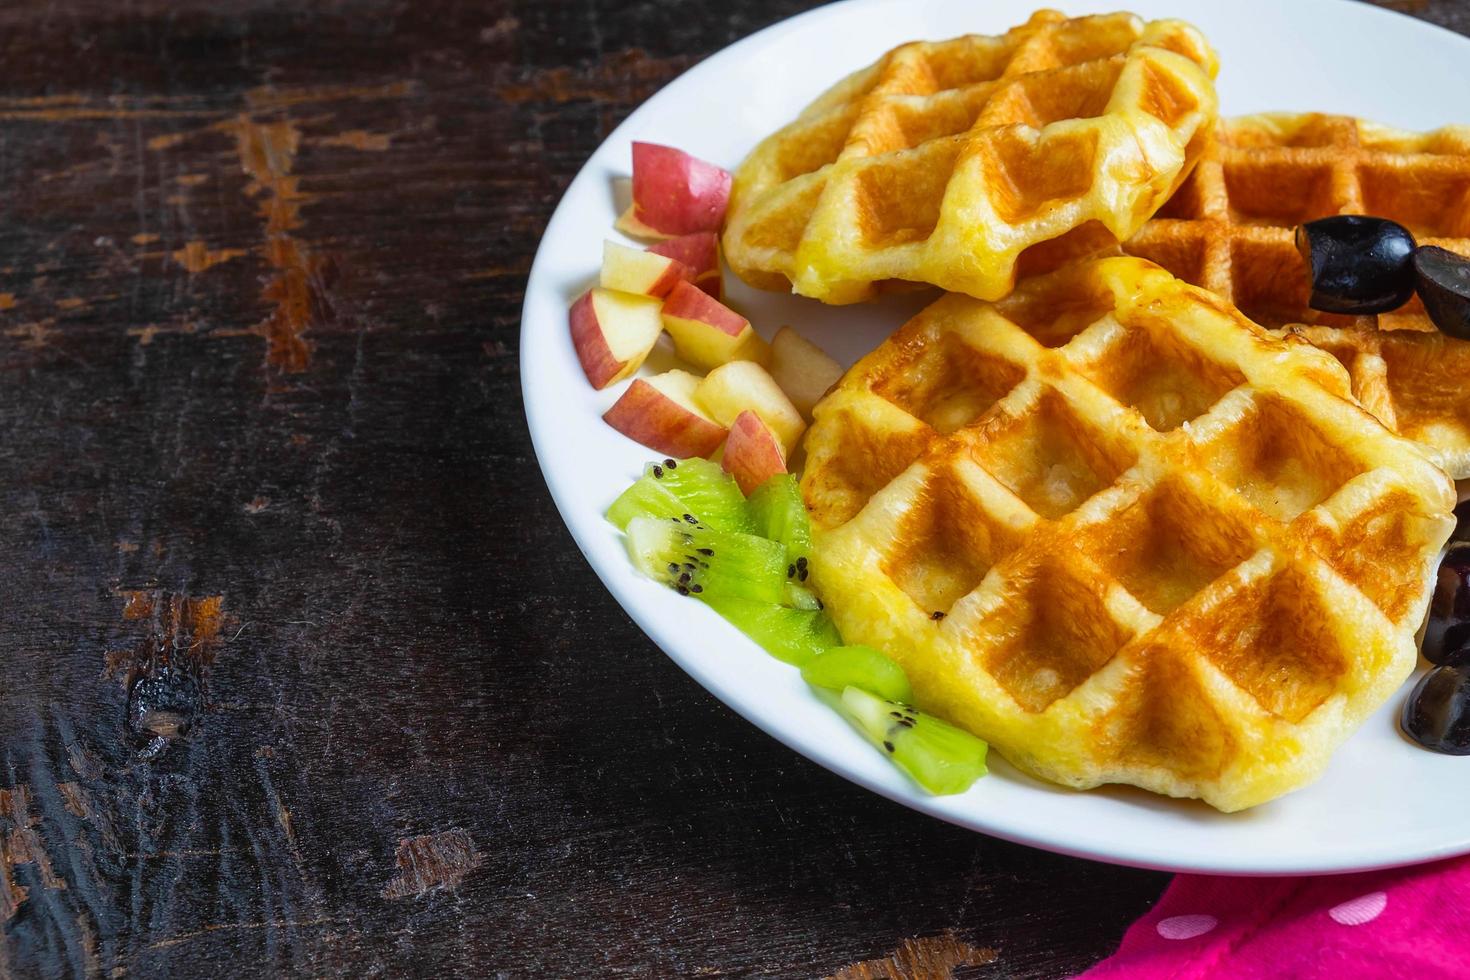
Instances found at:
x=1166 y=100
x=1427 y=375
x=1156 y=372
x=1277 y=192
x=1051 y=632
x=1273 y=639
x=1430 y=201
x=949 y=384
x=1025 y=175
x=1054 y=318
x=1277 y=460
x=864 y=462
x=1050 y=456
x=1168 y=545
x=898 y=204
x=1269 y=281
x=948 y=545
x=1378 y=551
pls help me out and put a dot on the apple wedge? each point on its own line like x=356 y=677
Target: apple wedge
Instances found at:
x=802 y=369
x=706 y=332
x=674 y=194
x=752 y=452
x=742 y=386
x=662 y=413
x=613 y=332
x=700 y=255
x=633 y=270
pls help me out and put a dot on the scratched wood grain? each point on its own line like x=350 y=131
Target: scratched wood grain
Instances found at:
x=299 y=670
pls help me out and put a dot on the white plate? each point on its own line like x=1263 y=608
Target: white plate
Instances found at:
x=1383 y=802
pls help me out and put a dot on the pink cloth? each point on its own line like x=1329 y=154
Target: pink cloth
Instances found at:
x=1409 y=922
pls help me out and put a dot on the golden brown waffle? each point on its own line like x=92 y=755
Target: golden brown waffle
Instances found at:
x=1230 y=229
x=955 y=162
x=1124 y=534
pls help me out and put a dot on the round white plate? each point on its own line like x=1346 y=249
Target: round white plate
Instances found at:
x=1383 y=802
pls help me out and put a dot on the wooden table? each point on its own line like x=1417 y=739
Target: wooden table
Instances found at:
x=299 y=670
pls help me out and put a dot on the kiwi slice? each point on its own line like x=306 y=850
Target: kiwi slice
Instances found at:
x=675 y=487
x=696 y=560
x=792 y=635
x=778 y=513
x=647 y=497
x=708 y=492
x=858 y=666
x=938 y=756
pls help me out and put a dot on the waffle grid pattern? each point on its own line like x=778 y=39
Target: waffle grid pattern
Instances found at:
x=1230 y=228
x=945 y=162
x=1124 y=534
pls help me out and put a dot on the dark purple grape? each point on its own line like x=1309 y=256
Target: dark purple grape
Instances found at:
x=1359 y=265
x=1448 y=627
x=1443 y=280
x=1437 y=714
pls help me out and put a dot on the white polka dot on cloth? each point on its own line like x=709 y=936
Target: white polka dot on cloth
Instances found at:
x=1359 y=911
x=1186 y=926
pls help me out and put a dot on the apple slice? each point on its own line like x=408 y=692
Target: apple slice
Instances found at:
x=661 y=412
x=752 y=452
x=746 y=386
x=706 y=332
x=613 y=332
x=632 y=270
x=802 y=369
x=674 y=194
x=700 y=255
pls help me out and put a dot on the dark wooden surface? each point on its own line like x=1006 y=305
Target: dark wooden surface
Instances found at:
x=299 y=669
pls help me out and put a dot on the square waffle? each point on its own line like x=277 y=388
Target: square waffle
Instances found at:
x=1124 y=534
x=1230 y=228
x=956 y=162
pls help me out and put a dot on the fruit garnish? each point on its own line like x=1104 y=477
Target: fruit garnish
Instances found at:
x=755 y=582
x=742 y=386
x=673 y=488
x=613 y=333
x=858 y=666
x=802 y=369
x=696 y=560
x=1437 y=714
x=646 y=497
x=661 y=412
x=777 y=512
x=706 y=332
x=699 y=253
x=674 y=194
x=940 y=757
x=636 y=270
x=792 y=635
x=1359 y=264
x=1447 y=629
x=1443 y=281
x=753 y=453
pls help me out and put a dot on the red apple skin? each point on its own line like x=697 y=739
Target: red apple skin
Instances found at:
x=675 y=193
x=648 y=416
x=599 y=359
x=688 y=302
x=752 y=453
x=598 y=362
x=700 y=255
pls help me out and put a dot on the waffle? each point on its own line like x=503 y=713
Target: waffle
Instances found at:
x=1230 y=229
x=956 y=162
x=1124 y=534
